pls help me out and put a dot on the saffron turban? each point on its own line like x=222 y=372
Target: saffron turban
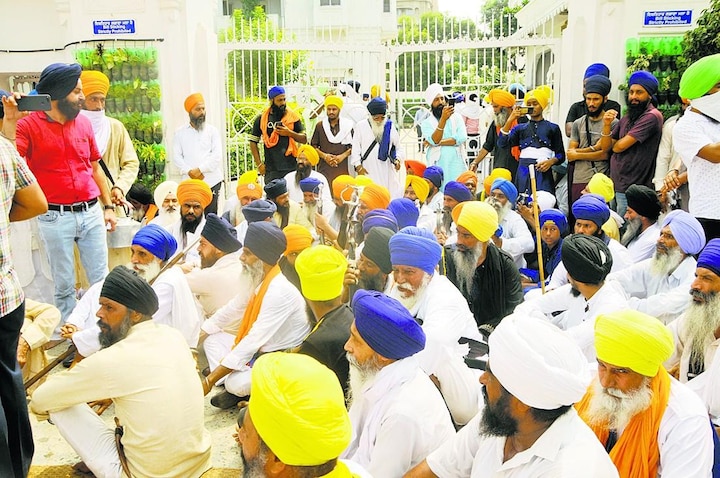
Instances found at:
x=478 y=217
x=687 y=230
x=643 y=201
x=419 y=185
x=341 y=187
x=501 y=98
x=375 y=196
x=377 y=106
x=58 y=80
x=543 y=94
x=598 y=84
x=457 y=191
x=710 y=257
x=310 y=153
x=379 y=218
x=646 y=80
x=586 y=258
x=386 y=325
x=602 y=185
x=298 y=409
x=248 y=185
x=432 y=92
x=507 y=188
x=537 y=363
x=218 y=232
x=466 y=177
x=556 y=217
x=259 y=210
x=405 y=211
x=194 y=190
x=310 y=185
x=321 y=270
x=435 y=175
x=94 y=82
x=376 y=248
x=597 y=69
x=266 y=241
x=333 y=100
x=276 y=187
x=415 y=167
x=157 y=240
x=126 y=287
x=415 y=247
x=192 y=101
x=700 y=77
x=632 y=339
x=496 y=173
x=298 y=238
x=591 y=207
x=275 y=91
x=163 y=190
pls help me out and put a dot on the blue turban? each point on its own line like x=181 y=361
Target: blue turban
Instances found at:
x=556 y=216
x=275 y=91
x=457 y=191
x=591 y=207
x=507 y=188
x=687 y=231
x=435 y=175
x=259 y=210
x=220 y=233
x=386 y=325
x=266 y=240
x=710 y=257
x=405 y=211
x=310 y=185
x=157 y=240
x=598 y=84
x=415 y=247
x=379 y=218
x=646 y=80
x=276 y=187
x=597 y=69
x=58 y=80
x=377 y=106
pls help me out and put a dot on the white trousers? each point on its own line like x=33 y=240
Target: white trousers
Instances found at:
x=217 y=346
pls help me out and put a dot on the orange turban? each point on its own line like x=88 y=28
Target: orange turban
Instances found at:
x=298 y=238
x=416 y=167
x=375 y=196
x=419 y=185
x=193 y=100
x=311 y=154
x=467 y=176
x=194 y=190
x=252 y=190
x=341 y=187
x=500 y=98
x=94 y=82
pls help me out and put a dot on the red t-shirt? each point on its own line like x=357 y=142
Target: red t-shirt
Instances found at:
x=60 y=156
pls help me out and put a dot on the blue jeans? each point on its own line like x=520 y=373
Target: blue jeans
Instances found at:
x=59 y=232
x=620 y=204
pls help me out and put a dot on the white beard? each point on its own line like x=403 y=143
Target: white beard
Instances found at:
x=360 y=376
x=465 y=265
x=167 y=216
x=614 y=409
x=138 y=215
x=632 y=231
x=399 y=292
x=664 y=264
x=378 y=129
x=255 y=272
x=701 y=322
x=146 y=271
x=499 y=208
x=501 y=118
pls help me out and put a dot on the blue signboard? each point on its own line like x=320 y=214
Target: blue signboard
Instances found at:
x=668 y=18
x=113 y=27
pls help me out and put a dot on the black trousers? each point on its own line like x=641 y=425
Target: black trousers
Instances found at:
x=212 y=207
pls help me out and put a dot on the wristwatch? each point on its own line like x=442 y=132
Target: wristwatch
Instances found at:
x=107 y=207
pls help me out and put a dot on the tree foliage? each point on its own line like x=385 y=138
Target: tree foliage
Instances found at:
x=704 y=39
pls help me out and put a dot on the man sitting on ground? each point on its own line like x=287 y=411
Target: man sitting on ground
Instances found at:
x=643 y=210
x=515 y=238
x=165 y=196
x=193 y=195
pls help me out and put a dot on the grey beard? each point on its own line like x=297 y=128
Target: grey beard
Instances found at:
x=360 y=375
x=499 y=208
x=666 y=263
x=465 y=265
x=632 y=231
x=373 y=282
x=378 y=129
x=112 y=337
x=255 y=272
x=701 y=322
x=501 y=118
x=409 y=302
x=614 y=409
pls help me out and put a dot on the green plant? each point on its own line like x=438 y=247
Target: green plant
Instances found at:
x=704 y=39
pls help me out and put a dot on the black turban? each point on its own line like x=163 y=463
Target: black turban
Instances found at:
x=129 y=289
x=259 y=210
x=140 y=193
x=266 y=240
x=58 y=80
x=275 y=188
x=587 y=259
x=643 y=201
x=221 y=234
x=598 y=84
x=377 y=106
x=376 y=248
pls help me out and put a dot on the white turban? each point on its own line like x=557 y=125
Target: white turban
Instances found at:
x=162 y=190
x=537 y=363
x=432 y=91
x=545 y=200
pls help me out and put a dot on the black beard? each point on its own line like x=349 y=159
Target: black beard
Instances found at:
x=437 y=110
x=189 y=226
x=496 y=420
x=110 y=337
x=284 y=214
x=68 y=109
x=278 y=111
x=634 y=111
x=574 y=292
x=198 y=121
x=301 y=172
x=374 y=282
x=597 y=113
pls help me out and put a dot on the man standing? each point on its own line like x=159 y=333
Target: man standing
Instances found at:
x=502 y=103
x=280 y=130
x=581 y=107
x=332 y=139
x=635 y=139
x=197 y=151
x=641 y=216
x=194 y=196
x=60 y=140
x=132 y=370
x=288 y=211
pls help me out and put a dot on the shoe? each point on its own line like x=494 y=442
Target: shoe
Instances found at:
x=68 y=361
x=225 y=400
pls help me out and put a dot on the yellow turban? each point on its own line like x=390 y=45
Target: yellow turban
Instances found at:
x=310 y=153
x=543 y=94
x=321 y=270
x=375 y=91
x=193 y=100
x=478 y=217
x=94 y=82
x=419 y=185
x=333 y=100
x=496 y=173
x=602 y=185
x=362 y=180
x=632 y=339
x=194 y=190
x=501 y=98
x=298 y=408
x=375 y=196
x=298 y=238
x=341 y=187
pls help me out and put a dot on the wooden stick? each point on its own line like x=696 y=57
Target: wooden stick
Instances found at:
x=538 y=238
x=31 y=381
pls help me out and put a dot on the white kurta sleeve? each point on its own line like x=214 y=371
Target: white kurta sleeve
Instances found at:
x=455 y=458
x=226 y=315
x=212 y=161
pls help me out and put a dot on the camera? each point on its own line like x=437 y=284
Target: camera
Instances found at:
x=524 y=199
x=526 y=110
x=450 y=100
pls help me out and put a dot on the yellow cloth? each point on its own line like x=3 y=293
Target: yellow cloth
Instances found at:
x=333 y=100
x=310 y=153
x=479 y=218
x=298 y=408
x=248 y=177
x=611 y=229
x=321 y=270
x=602 y=185
x=632 y=339
x=193 y=100
x=500 y=97
x=419 y=185
x=298 y=238
x=94 y=82
x=375 y=196
x=543 y=94
x=194 y=190
x=362 y=180
x=496 y=173
x=340 y=187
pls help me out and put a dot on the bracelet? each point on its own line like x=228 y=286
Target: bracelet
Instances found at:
x=504 y=132
x=592 y=148
x=438 y=129
x=605 y=135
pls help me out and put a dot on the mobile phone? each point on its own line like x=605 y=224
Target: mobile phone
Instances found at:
x=526 y=110
x=34 y=103
x=450 y=100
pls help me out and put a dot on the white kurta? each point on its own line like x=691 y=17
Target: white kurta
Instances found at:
x=199 y=149
x=643 y=246
x=215 y=286
x=516 y=237
x=296 y=193
x=184 y=240
x=683 y=346
x=381 y=172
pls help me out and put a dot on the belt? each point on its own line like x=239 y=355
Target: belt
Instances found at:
x=76 y=207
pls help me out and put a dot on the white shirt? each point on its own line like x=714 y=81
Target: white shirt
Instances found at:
x=199 y=149
x=184 y=240
x=683 y=345
x=436 y=202
x=381 y=172
x=568 y=449
x=516 y=237
x=643 y=246
x=621 y=260
x=427 y=219
x=296 y=193
x=215 y=286
x=662 y=296
x=692 y=132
